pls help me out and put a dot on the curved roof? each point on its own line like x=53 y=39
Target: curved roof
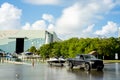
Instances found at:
x=29 y=34
x=93 y=52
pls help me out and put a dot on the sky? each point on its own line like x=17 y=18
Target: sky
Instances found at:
x=68 y=18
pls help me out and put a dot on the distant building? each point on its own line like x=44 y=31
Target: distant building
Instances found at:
x=21 y=40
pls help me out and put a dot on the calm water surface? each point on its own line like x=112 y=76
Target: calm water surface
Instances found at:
x=45 y=72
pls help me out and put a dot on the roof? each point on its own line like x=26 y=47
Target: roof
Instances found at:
x=6 y=33
x=93 y=52
x=29 y=34
x=21 y=33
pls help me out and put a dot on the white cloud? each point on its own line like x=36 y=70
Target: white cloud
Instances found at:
x=73 y=22
x=27 y=26
x=110 y=28
x=51 y=27
x=40 y=24
x=76 y=18
x=89 y=29
x=69 y=19
x=9 y=16
x=86 y=32
x=43 y=2
x=37 y=25
x=48 y=18
x=46 y=24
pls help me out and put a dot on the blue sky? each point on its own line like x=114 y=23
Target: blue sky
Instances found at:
x=73 y=18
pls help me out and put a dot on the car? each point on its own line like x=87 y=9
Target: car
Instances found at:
x=86 y=61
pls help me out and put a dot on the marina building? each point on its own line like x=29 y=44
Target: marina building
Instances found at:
x=21 y=40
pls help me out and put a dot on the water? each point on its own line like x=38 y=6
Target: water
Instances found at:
x=45 y=72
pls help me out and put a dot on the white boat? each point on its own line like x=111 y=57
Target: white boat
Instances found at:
x=55 y=60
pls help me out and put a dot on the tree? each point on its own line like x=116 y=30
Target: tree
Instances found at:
x=73 y=46
x=33 y=50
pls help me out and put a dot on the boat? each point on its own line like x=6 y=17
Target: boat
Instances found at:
x=55 y=60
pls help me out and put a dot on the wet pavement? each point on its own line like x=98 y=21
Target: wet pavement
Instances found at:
x=46 y=72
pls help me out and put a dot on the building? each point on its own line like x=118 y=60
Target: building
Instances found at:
x=21 y=40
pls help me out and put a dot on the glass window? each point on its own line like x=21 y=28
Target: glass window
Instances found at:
x=89 y=57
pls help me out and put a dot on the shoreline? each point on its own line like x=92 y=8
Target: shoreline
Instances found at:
x=111 y=61
x=15 y=62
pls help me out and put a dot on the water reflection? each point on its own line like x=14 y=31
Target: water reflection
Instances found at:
x=96 y=75
x=85 y=75
x=54 y=73
x=112 y=71
x=45 y=72
x=18 y=72
x=116 y=68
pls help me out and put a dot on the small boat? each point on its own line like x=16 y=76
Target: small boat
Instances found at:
x=56 y=60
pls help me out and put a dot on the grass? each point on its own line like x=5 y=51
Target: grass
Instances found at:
x=111 y=61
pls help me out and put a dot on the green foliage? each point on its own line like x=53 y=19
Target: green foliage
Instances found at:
x=33 y=49
x=73 y=46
